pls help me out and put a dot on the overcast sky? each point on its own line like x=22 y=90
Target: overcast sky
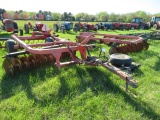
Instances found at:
x=87 y=6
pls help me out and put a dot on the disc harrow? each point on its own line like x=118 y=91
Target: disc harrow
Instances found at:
x=56 y=50
x=118 y=43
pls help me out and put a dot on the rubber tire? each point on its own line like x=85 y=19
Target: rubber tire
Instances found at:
x=155 y=26
x=97 y=26
x=55 y=28
x=141 y=27
x=21 y=32
x=62 y=30
x=76 y=25
x=26 y=28
x=10 y=46
x=15 y=25
x=49 y=39
x=119 y=59
x=75 y=29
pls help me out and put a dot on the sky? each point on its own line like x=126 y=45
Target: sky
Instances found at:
x=87 y=6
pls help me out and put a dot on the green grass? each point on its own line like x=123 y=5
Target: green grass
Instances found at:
x=80 y=92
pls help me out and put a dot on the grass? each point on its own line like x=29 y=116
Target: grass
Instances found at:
x=80 y=92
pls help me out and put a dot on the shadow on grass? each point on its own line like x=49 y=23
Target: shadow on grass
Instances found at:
x=99 y=81
x=26 y=79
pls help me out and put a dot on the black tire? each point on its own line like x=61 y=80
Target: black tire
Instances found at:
x=95 y=29
x=10 y=46
x=141 y=27
x=55 y=28
x=155 y=26
x=77 y=26
x=75 y=29
x=15 y=25
x=119 y=59
x=149 y=25
x=85 y=29
x=49 y=39
x=26 y=28
x=21 y=32
x=97 y=26
x=62 y=30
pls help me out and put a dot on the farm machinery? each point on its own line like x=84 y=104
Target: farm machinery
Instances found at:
x=37 y=27
x=85 y=27
x=118 y=43
x=9 y=26
x=24 y=55
x=137 y=23
x=155 y=22
x=104 y=26
x=64 y=27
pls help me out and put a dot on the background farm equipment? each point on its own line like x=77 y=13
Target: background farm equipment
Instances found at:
x=65 y=26
x=37 y=27
x=85 y=27
x=104 y=26
x=118 y=43
x=54 y=50
x=137 y=23
x=9 y=25
x=155 y=23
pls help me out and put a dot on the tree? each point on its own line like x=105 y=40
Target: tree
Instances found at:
x=56 y=16
x=102 y=16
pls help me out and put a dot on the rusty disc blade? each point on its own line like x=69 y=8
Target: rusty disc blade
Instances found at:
x=112 y=50
x=38 y=59
x=8 y=67
x=24 y=62
x=16 y=64
x=50 y=58
x=32 y=61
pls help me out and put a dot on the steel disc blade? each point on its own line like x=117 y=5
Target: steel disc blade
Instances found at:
x=32 y=61
x=8 y=67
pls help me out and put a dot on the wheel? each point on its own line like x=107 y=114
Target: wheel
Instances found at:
x=10 y=46
x=85 y=29
x=26 y=28
x=21 y=32
x=55 y=28
x=132 y=28
x=77 y=26
x=119 y=59
x=149 y=25
x=97 y=26
x=95 y=29
x=62 y=30
x=49 y=39
x=15 y=25
x=141 y=27
x=155 y=26
x=75 y=30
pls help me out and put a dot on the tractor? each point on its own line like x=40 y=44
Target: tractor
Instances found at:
x=64 y=27
x=155 y=23
x=85 y=27
x=9 y=25
x=137 y=23
x=104 y=26
x=37 y=27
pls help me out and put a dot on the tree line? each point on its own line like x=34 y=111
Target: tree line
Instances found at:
x=99 y=17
